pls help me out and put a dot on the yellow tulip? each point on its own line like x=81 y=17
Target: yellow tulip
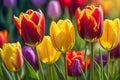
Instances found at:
x=62 y=35
x=46 y=52
x=110 y=36
x=11 y=54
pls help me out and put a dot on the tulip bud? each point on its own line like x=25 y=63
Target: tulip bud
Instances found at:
x=65 y=3
x=30 y=26
x=62 y=35
x=46 y=52
x=30 y=56
x=9 y=3
x=3 y=37
x=12 y=58
x=110 y=36
x=75 y=70
x=115 y=53
x=104 y=59
x=89 y=23
x=75 y=62
x=54 y=9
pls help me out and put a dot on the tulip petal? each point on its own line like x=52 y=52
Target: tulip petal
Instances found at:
x=98 y=16
x=16 y=21
x=54 y=32
x=35 y=16
x=41 y=25
x=67 y=39
x=29 y=31
x=89 y=29
x=46 y=48
x=29 y=12
x=109 y=37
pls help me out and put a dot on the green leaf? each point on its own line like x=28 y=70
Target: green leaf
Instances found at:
x=60 y=75
x=30 y=71
x=6 y=74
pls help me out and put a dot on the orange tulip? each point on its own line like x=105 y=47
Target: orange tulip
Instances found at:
x=3 y=37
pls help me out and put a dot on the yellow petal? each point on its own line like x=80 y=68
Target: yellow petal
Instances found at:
x=46 y=51
x=109 y=38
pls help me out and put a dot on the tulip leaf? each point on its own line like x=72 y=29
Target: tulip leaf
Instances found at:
x=30 y=71
x=6 y=74
x=60 y=75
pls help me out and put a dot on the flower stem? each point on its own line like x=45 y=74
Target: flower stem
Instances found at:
x=50 y=69
x=17 y=76
x=41 y=70
x=108 y=63
x=92 y=61
x=77 y=78
x=65 y=67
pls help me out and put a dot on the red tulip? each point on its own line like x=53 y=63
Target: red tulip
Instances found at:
x=3 y=37
x=75 y=61
x=65 y=3
x=31 y=26
x=89 y=22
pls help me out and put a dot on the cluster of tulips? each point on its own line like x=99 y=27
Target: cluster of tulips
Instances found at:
x=47 y=49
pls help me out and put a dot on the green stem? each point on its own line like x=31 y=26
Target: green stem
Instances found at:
x=9 y=23
x=77 y=78
x=65 y=67
x=101 y=63
x=50 y=69
x=92 y=61
x=41 y=70
x=85 y=62
x=66 y=14
x=108 y=63
x=17 y=76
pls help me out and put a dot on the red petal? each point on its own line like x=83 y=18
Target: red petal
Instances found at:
x=77 y=15
x=17 y=24
x=41 y=25
x=35 y=17
x=29 y=32
x=98 y=15
x=29 y=12
x=88 y=26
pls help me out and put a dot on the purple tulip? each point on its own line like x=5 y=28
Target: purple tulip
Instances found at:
x=54 y=10
x=75 y=70
x=115 y=53
x=38 y=2
x=104 y=59
x=30 y=55
x=9 y=3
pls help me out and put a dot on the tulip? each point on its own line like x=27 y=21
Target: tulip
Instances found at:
x=46 y=52
x=9 y=3
x=104 y=59
x=38 y=2
x=89 y=22
x=30 y=55
x=62 y=35
x=65 y=3
x=3 y=37
x=75 y=61
x=115 y=53
x=110 y=36
x=11 y=55
x=75 y=4
x=54 y=9
x=80 y=2
x=31 y=26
